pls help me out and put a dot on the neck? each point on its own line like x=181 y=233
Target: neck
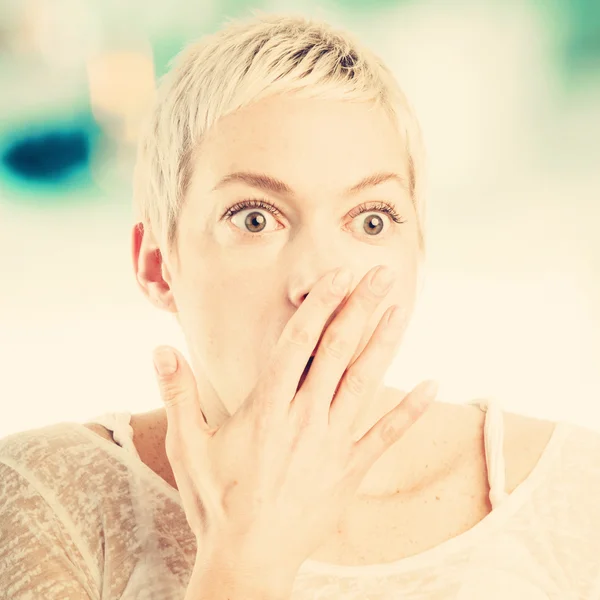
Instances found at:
x=427 y=452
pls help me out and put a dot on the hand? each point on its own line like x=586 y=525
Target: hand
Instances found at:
x=274 y=479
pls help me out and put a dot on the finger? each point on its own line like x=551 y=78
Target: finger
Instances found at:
x=179 y=393
x=299 y=339
x=184 y=441
x=361 y=382
x=340 y=342
x=392 y=426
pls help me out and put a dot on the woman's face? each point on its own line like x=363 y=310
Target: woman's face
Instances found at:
x=243 y=271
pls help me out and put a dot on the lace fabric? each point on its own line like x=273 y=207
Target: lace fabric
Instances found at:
x=83 y=518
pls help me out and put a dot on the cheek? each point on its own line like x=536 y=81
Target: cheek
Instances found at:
x=203 y=301
x=225 y=308
x=405 y=287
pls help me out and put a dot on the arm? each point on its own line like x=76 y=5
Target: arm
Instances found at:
x=38 y=558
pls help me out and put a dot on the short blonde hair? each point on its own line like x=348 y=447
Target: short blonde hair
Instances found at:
x=246 y=61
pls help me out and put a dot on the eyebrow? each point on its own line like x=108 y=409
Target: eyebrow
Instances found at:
x=271 y=184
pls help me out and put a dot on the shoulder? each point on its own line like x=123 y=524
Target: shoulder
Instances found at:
x=34 y=448
x=45 y=550
x=147 y=428
x=56 y=461
x=525 y=441
x=525 y=438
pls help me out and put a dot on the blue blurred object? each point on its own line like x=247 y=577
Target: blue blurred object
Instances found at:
x=55 y=153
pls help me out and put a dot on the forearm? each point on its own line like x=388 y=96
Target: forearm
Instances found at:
x=223 y=578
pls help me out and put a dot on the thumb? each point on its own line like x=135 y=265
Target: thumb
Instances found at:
x=178 y=389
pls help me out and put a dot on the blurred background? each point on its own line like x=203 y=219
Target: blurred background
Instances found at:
x=508 y=94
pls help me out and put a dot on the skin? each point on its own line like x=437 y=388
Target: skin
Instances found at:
x=234 y=285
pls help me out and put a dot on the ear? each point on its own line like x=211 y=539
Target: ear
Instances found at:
x=151 y=272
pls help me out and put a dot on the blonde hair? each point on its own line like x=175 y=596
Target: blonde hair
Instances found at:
x=242 y=63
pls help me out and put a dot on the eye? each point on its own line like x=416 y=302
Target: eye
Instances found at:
x=373 y=225
x=254 y=222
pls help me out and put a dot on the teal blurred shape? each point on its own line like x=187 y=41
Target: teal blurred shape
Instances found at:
x=46 y=157
x=580 y=24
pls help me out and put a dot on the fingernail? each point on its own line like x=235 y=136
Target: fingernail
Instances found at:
x=396 y=317
x=165 y=361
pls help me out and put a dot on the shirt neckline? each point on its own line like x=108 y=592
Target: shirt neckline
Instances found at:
x=488 y=523
x=134 y=462
x=507 y=508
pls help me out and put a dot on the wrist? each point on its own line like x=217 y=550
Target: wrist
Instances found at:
x=246 y=573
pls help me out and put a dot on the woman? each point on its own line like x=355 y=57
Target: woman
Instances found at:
x=278 y=152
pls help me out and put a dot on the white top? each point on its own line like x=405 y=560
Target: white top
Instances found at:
x=83 y=518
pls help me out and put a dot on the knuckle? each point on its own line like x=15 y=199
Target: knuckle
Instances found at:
x=263 y=396
x=329 y=298
x=355 y=383
x=412 y=410
x=335 y=345
x=389 y=433
x=173 y=450
x=298 y=335
x=303 y=419
x=172 y=394
x=366 y=301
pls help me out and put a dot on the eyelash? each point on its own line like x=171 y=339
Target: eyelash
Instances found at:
x=384 y=207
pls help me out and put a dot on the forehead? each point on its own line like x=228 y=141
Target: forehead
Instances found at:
x=315 y=146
